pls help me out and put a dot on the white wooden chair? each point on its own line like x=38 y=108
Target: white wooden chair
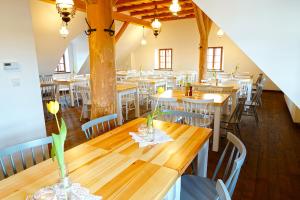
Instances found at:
x=145 y=91
x=195 y=187
x=164 y=103
x=199 y=106
x=86 y=99
x=129 y=103
x=98 y=126
x=26 y=151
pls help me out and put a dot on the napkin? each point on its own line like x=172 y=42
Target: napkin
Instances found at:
x=159 y=137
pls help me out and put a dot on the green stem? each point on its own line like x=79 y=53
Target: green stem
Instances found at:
x=57 y=123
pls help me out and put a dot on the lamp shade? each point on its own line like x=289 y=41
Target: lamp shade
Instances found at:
x=175 y=7
x=63 y=31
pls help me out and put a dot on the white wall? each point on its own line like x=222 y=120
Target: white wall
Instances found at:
x=49 y=44
x=80 y=51
x=21 y=109
x=268 y=32
x=183 y=37
x=234 y=56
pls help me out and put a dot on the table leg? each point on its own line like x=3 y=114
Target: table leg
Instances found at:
x=202 y=160
x=71 y=95
x=216 y=135
x=174 y=192
x=137 y=99
x=119 y=108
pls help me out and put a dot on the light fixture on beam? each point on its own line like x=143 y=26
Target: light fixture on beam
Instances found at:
x=143 y=41
x=66 y=9
x=220 y=33
x=175 y=7
x=156 y=25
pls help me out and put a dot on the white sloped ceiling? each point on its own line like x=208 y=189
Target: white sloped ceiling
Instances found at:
x=268 y=32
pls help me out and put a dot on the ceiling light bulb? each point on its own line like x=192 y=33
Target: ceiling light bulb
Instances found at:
x=220 y=33
x=63 y=31
x=175 y=7
x=156 y=24
x=65 y=3
x=143 y=41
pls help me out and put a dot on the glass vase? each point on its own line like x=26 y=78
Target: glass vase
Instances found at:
x=64 y=183
x=150 y=131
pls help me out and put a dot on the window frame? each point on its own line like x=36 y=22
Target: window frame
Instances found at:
x=213 y=63
x=57 y=71
x=159 y=59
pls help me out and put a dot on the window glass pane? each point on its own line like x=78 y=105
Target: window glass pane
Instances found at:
x=218 y=51
x=209 y=65
x=210 y=59
x=218 y=59
x=217 y=66
x=210 y=51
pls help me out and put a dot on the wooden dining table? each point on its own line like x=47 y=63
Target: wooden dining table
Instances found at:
x=114 y=167
x=220 y=100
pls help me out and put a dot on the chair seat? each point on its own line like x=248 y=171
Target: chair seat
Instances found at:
x=197 y=188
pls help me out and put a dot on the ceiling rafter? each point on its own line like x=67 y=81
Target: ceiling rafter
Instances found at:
x=159 y=10
x=177 y=18
x=168 y=14
x=135 y=7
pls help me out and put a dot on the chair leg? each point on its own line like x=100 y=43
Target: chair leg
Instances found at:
x=82 y=110
x=255 y=114
x=126 y=108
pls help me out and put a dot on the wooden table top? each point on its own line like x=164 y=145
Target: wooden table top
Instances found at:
x=147 y=80
x=177 y=154
x=109 y=174
x=124 y=87
x=235 y=85
x=219 y=98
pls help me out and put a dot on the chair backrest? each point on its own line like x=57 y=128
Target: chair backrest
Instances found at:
x=181 y=117
x=222 y=191
x=235 y=161
x=9 y=154
x=198 y=106
x=46 y=78
x=100 y=125
x=49 y=92
x=238 y=111
x=256 y=98
x=85 y=93
x=164 y=103
x=259 y=78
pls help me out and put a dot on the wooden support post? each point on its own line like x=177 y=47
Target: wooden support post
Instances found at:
x=102 y=59
x=121 y=31
x=204 y=25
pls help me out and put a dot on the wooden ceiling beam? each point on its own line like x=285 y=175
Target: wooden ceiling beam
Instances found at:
x=169 y=14
x=130 y=2
x=150 y=5
x=121 y=31
x=177 y=18
x=159 y=10
x=126 y=18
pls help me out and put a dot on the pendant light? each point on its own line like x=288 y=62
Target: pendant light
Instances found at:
x=63 y=31
x=220 y=33
x=156 y=25
x=143 y=41
x=66 y=9
x=175 y=7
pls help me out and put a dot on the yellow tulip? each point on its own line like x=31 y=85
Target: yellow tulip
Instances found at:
x=53 y=107
x=160 y=90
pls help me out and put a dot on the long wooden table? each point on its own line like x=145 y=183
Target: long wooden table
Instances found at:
x=219 y=101
x=114 y=167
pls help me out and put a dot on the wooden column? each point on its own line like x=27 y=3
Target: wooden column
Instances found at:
x=102 y=59
x=204 y=25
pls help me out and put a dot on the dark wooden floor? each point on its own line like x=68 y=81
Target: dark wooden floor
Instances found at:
x=272 y=166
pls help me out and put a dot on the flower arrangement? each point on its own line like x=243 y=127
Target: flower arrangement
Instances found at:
x=57 y=151
x=157 y=111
